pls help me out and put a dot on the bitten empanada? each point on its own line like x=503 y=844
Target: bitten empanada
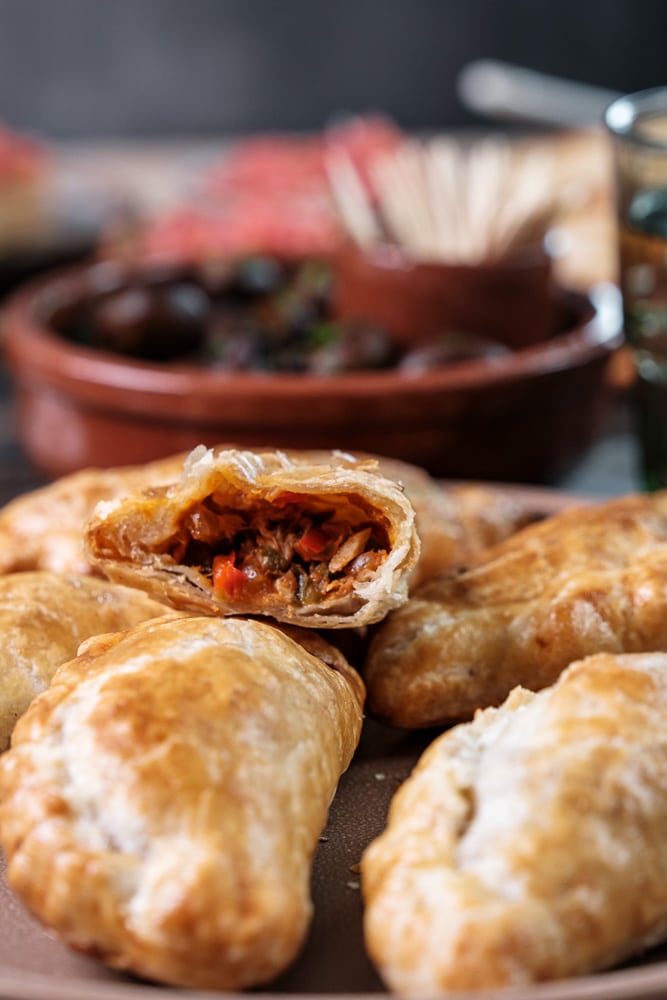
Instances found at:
x=162 y=801
x=592 y=578
x=282 y=534
x=43 y=619
x=43 y=529
x=529 y=844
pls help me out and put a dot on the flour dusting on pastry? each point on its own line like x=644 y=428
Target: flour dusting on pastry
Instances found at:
x=591 y=578
x=162 y=801
x=529 y=844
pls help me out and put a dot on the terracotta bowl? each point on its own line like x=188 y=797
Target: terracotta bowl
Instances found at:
x=524 y=417
x=509 y=301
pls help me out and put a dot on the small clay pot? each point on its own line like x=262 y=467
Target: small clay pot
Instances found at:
x=509 y=301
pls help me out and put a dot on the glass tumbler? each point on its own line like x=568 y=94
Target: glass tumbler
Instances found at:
x=637 y=124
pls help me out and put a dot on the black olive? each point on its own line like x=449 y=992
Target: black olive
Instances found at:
x=257 y=276
x=155 y=323
x=242 y=349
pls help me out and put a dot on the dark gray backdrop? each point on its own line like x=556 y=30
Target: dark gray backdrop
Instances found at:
x=93 y=68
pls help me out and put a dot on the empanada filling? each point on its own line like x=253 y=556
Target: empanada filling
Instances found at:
x=300 y=549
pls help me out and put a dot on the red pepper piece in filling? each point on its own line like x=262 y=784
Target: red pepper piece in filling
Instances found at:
x=286 y=496
x=311 y=544
x=226 y=577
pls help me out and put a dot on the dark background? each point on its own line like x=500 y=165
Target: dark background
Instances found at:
x=79 y=68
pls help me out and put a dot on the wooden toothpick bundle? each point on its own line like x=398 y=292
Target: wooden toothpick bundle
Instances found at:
x=442 y=200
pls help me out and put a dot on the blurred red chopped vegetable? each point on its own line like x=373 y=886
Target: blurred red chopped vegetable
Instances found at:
x=268 y=194
x=21 y=156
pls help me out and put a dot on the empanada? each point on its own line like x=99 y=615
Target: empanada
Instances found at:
x=529 y=844
x=323 y=544
x=592 y=578
x=43 y=529
x=43 y=619
x=163 y=799
x=457 y=521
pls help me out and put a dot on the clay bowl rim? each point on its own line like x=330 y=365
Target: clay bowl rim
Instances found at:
x=29 y=344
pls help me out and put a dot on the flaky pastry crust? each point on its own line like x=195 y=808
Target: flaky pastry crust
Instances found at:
x=43 y=529
x=529 y=844
x=592 y=578
x=288 y=535
x=43 y=619
x=456 y=520
x=163 y=799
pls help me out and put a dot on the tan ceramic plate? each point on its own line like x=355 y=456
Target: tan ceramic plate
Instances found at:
x=34 y=966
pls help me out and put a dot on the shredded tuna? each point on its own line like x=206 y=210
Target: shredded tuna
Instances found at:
x=349 y=550
x=273 y=546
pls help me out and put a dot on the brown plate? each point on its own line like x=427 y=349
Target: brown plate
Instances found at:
x=35 y=966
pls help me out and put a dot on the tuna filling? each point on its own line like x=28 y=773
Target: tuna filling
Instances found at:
x=295 y=548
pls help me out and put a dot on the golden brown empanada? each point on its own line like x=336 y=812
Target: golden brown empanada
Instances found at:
x=326 y=544
x=162 y=801
x=43 y=619
x=592 y=578
x=43 y=529
x=529 y=844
